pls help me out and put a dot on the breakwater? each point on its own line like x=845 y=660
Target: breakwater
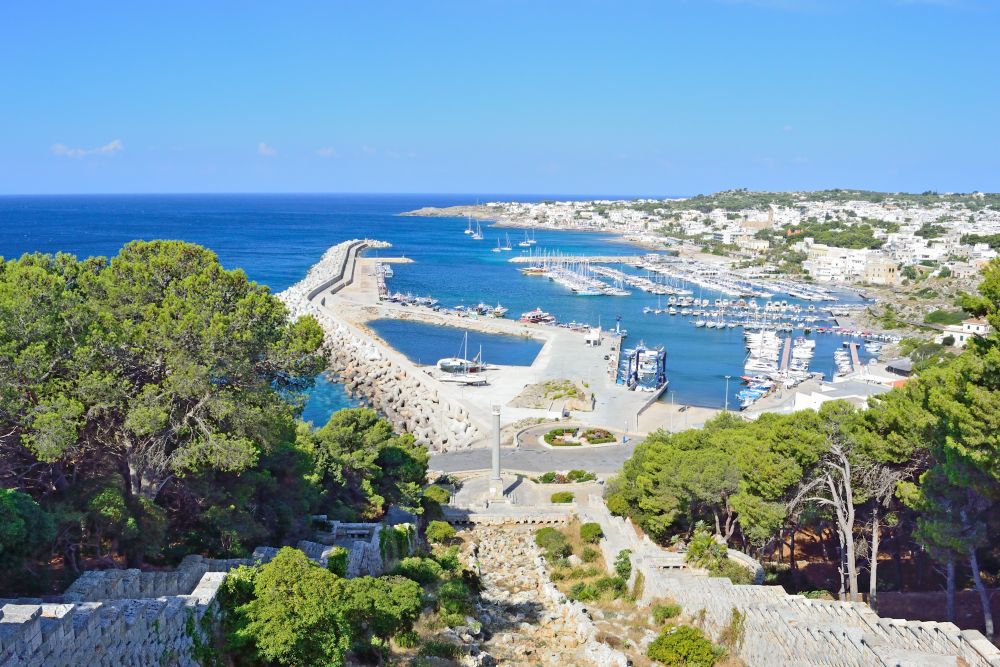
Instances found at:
x=412 y=401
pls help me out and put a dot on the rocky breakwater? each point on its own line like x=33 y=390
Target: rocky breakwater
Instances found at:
x=370 y=371
x=527 y=619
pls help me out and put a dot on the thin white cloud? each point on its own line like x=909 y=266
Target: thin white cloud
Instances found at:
x=367 y=150
x=109 y=148
x=326 y=151
x=265 y=150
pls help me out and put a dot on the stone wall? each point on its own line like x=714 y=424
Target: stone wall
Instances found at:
x=115 y=617
x=789 y=630
x=410 y=402
x=108 y=618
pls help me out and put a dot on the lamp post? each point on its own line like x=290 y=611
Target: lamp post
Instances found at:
x=671 y=412
x=727 y=394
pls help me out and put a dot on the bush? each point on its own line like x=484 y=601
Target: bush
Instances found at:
x=683 y=646
x=598 y=436
x=582 y=573
x=336 y=561
x=623 y=564
x=580 y=476
x=666 y=612
x=583 y=592
x=589 y=555
x=615 y=584
x=733 y=571
x=547 y=478
x=438 y=494
x=591 y=533
x=439 y=532
x=553 y=543
x=448 y=560
x=440 y=649
x=421 y=570
x=453 y=597
x=562 y=497
x=555 y=437
x=407 y=639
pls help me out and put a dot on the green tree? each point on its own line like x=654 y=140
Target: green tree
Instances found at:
x=296 y=616
x=25 y=529
x=381 y=607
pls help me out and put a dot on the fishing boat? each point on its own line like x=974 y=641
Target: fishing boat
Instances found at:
x=499 y=311
x=537 y=316
x=462 y=364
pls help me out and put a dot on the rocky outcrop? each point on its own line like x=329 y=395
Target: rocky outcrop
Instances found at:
x=529 y=621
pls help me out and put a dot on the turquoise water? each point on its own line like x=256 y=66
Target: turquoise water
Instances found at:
x=424 y=343
x=276 y=238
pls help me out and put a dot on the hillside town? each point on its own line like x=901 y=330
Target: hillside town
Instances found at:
x=947 y=235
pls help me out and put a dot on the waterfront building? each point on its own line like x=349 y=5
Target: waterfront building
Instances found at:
x=964 y=332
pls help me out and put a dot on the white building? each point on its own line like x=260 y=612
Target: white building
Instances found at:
x=964 y=332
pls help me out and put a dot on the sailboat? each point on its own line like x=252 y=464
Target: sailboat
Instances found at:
x=506 y=245
x=498 y=248
x=478 y=236
x=468 y=226
x=526 y=243
x=532 y=240
x=462 y=364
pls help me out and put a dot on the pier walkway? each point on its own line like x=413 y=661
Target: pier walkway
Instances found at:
x=855 y=362
x=786 y=354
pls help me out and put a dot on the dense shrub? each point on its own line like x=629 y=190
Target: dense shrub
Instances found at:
x=453 y=597
x=591 y=533
x=439 y=532
x=336 y=561
x=553 y=543
x=421 y=570
x=440 y=649
x=683 y=646
x=580 y=476
x=666 y=612
x=583 y=592
x=589 y=555
x=547 y=478
x=623 y=564
x=562 y=497
x=438 y=494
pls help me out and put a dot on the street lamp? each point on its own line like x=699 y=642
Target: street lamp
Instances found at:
x=671 y=412
x=727 y=394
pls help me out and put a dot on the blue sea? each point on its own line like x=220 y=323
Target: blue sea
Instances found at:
x=276 y=238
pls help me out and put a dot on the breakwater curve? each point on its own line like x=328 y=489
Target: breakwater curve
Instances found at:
x=411 y=400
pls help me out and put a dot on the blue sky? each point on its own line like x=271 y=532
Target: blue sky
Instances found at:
x=669 y=97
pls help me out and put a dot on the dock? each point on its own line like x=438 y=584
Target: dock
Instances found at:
x=786 y=354
x=575 y=259
x=855 y=362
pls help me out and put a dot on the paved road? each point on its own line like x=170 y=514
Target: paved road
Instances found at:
x=535 y=458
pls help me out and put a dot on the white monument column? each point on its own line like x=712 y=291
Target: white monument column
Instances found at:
x=496 y=482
